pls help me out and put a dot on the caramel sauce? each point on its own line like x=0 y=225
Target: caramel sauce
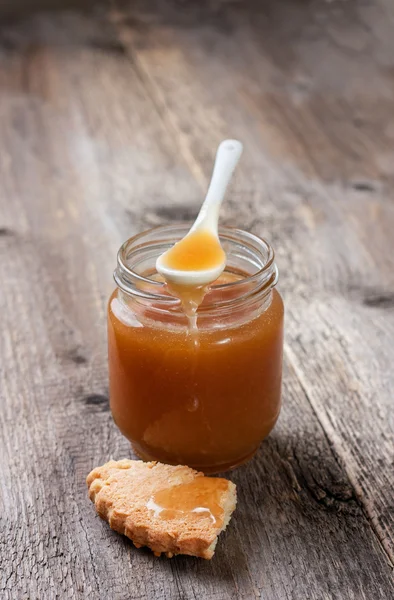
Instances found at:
x=190 y=297
x=201 y=497
x=196 y=252
x=205 y=400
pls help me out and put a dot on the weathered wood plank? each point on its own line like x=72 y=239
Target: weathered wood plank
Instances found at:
x=315 y=182
x=91 y=153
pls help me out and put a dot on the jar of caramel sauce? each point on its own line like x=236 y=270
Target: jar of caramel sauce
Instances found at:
x=202 y=396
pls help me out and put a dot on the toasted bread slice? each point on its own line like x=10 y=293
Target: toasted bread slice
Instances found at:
x=174 y=510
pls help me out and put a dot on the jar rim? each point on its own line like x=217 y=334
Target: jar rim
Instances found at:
x=130 y=282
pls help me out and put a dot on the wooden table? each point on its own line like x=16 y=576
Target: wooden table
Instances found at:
x=108 y=125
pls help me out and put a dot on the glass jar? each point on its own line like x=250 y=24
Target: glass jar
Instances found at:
x=206 y=399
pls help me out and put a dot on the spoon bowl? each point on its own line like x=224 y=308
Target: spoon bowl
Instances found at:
x=190 y=278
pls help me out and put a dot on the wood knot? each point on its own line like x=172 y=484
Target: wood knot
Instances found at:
x=6 y=232
x=100 y=401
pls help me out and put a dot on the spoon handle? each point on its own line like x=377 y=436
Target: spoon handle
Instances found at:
x=227 y=157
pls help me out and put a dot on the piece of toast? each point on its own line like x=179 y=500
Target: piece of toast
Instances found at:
x=122 y=492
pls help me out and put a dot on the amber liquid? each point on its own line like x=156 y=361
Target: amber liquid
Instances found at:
x=199 y=498
x=205 y=402
x=197 y=251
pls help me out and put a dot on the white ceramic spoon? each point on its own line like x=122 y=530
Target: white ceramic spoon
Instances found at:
x=227 y=157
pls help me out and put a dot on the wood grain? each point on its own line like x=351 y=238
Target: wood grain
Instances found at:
x=108 y=126
x=316 y=185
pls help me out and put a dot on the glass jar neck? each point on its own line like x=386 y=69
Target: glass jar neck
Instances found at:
x=250 y=263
